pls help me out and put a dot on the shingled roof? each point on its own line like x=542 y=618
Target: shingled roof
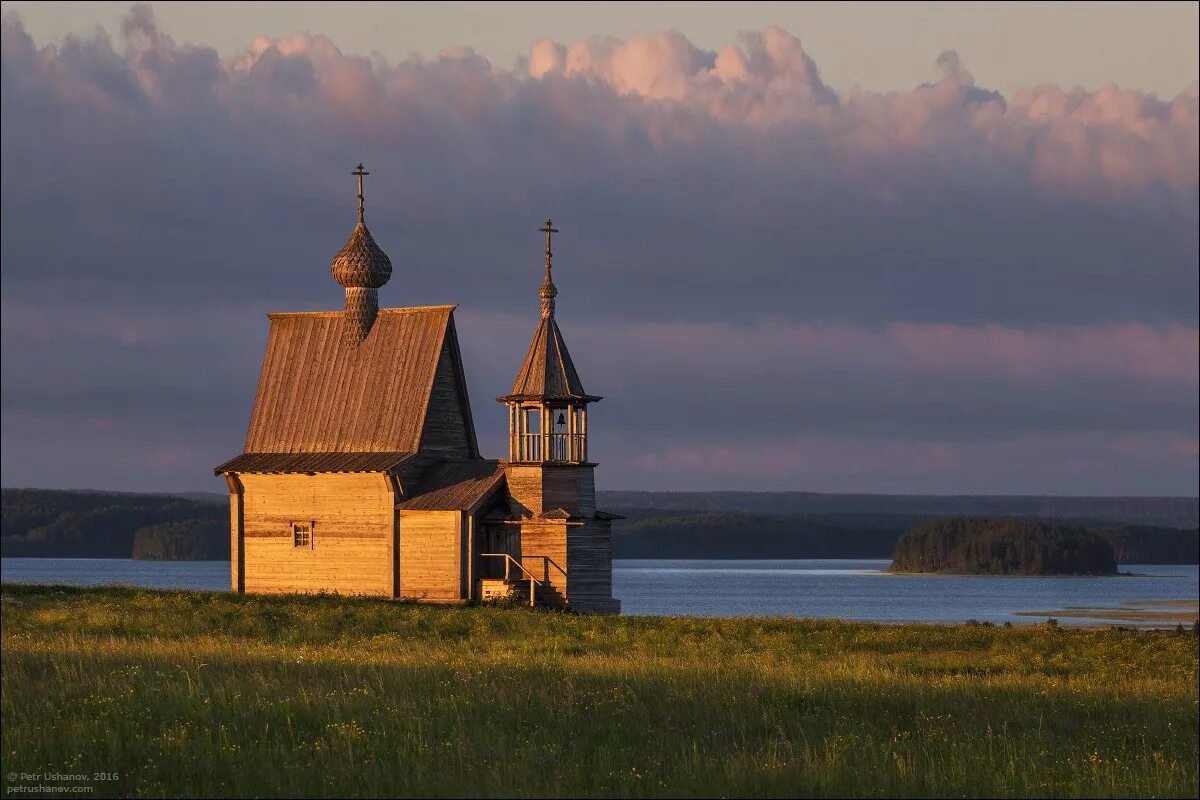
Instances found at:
x=547 y=372
x=313 y=462
x=317 y=396
x=455 y=486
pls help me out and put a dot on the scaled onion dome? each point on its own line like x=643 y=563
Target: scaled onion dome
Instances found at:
x=361 y=267
x=361 y=264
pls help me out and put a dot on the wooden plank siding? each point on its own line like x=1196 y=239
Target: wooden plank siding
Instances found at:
x=582 y=544
x=524 y=489
x=540 y=538
x=589 y=560
x=431 y=555
x=353 y=523
x=538 y=488
x=571 y=488
x=583 y=549
x=448 y=428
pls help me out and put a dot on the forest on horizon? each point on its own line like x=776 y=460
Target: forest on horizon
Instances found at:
x=83 y=524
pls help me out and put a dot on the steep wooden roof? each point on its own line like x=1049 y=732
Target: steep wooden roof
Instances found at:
x=313 y=462
x=455 y=486
x=547 y=372
x=318 y=396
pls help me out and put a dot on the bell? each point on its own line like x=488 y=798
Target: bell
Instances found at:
x=562 y=420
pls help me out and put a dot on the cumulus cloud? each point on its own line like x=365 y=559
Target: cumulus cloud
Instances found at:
x=938 y=264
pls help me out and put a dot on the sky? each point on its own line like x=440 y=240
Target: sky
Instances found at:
x=876 y=46
x=827 y=248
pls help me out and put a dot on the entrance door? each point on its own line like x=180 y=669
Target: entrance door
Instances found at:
x=497 y=538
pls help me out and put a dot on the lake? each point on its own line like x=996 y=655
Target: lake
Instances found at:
x=829 y=588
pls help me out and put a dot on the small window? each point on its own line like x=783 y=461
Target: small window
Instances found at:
x=302 y=534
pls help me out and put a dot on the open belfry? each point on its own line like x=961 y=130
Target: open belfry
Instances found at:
x=361 y=473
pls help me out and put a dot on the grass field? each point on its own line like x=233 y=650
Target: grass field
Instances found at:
x=209 y=694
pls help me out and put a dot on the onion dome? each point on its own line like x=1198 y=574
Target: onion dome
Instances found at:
x=361 y=263
x=360 y=267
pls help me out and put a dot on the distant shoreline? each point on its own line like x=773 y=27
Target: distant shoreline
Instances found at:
x=691 y=558
x=1145 y=615
x=656 y=525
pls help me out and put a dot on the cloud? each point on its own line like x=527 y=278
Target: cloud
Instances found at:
x=747 y=257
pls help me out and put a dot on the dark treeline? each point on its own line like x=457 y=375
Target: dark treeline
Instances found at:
x=1173 y=512
x=49 y=523
x=1146 y=544
x=53 y=523
x=187 y=540
x=1003 y=547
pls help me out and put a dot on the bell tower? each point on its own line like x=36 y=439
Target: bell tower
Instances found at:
x=548 y=418
x=551 y=481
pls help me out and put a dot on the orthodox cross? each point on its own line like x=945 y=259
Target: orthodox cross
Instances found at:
x=360 y=172
x=549 y=230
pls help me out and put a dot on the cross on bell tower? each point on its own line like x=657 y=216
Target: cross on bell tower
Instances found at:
x=548 y=290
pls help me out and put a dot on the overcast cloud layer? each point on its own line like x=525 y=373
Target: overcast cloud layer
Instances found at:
x=775 y=286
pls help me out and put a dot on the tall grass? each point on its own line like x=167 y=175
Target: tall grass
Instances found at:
x=209 y=694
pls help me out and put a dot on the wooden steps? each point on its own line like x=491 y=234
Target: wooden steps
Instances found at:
x=546 y=596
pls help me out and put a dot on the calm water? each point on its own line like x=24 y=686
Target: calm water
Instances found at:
x=846 y=589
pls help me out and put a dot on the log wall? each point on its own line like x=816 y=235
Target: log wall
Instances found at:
x=431 y=555
x=352 y=516
x=546 y=539
x=538 y=488
x=589 y=559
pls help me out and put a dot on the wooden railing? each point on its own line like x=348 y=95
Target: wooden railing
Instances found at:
x=547 y=563
x=565 y=447
x=531 y=447
x=510 y=561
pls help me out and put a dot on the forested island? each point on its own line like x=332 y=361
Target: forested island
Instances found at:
x=89 y=524
x=981 y=546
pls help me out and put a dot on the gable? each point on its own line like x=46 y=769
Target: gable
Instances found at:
x=449 y=431
x=316 y=394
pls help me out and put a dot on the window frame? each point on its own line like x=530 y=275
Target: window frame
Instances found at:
x=307 y=526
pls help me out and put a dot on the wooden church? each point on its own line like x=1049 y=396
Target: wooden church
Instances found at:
x=361 y=473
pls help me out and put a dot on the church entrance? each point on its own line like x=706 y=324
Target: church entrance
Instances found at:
x=496 y=537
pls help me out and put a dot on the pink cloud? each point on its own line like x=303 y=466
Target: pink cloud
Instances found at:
x=1122 y=141
x=1137 y=352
